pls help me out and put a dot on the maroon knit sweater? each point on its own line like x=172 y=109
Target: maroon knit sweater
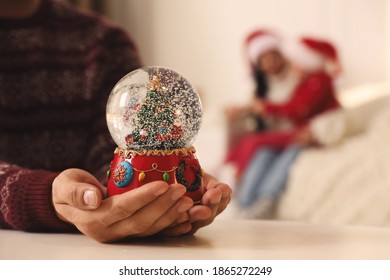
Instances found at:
x=57 y=68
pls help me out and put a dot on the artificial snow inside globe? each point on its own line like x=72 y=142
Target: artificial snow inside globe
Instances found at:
x=153 y=115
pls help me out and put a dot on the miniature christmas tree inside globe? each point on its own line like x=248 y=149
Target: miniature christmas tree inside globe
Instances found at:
x=154 y=108
x=153 y=115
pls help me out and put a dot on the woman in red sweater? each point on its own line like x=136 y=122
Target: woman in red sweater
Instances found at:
x=57 y=68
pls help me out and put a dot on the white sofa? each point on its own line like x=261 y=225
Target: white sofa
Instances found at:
x=347 y=181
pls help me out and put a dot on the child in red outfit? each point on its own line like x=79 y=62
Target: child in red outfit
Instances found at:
x=263 y=159
x=314 y=95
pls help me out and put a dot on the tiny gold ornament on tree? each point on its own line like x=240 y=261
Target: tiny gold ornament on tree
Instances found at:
x=155 y=83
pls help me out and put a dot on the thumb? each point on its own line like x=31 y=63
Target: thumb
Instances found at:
x=83 y=194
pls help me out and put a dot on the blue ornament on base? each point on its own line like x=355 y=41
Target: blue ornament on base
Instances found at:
x=123 y=174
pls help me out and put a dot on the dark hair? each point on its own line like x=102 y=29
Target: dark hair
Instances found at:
x=261 y=91
x=261 y=83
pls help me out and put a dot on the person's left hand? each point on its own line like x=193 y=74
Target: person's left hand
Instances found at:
x=214 y=201
x=258 y=107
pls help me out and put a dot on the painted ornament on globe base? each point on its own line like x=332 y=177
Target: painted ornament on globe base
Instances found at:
x=154 y=115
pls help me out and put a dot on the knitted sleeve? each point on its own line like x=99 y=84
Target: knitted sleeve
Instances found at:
x=26 y=194
x=25 y=200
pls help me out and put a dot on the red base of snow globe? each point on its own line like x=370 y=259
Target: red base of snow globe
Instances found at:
x=131 y=169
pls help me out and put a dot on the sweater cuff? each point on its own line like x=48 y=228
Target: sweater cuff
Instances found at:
x=36 y=203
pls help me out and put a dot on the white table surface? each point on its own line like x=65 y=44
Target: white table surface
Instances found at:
x=224 y=239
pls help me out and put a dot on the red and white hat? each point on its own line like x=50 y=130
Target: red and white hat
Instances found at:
x=311 y=54
x=322 y=47
x=258 y=42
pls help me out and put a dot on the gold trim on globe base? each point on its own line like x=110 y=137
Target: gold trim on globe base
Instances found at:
x=127 y=153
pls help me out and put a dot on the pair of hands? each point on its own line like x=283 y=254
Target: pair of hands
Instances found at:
x=155 y=208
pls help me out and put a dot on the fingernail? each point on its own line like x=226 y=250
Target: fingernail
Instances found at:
x=177 y=194
x=225 y=193
x=90 y=198
x=215 y=200
x=183 y=208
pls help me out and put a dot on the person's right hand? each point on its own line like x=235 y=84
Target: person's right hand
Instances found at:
x=304 y=136
x=77 y=198
x=233 y=112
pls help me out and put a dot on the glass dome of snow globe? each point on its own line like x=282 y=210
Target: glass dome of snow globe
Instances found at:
x=154 y=108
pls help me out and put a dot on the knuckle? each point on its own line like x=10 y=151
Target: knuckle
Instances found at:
x=140 y=227
x=72 y=196
x=121 y=212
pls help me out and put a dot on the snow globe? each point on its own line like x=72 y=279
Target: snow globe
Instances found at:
x=153 y=115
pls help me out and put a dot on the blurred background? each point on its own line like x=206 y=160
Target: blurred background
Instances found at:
x=203 y=40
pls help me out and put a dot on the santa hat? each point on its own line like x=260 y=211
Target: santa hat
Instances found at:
x=259 y=42
x=311 y=54
x=322 y=47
